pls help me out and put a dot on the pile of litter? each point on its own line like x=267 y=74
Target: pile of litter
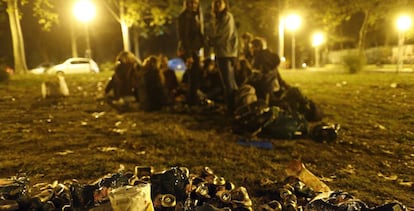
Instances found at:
x=177 y=189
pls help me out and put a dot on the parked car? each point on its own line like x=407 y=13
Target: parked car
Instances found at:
x=75 y=65
x=41 y=68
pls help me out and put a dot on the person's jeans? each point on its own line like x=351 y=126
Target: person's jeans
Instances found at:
x=226 y=66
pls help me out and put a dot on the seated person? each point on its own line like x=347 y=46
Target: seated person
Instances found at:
x=243 y=71
x=151 y=85
x=125 y=78
x=273 y=89
x=171 y=81
x=210 y=81
x=269 y=84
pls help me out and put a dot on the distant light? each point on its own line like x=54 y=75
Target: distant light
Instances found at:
x=283 y=59
x=292 y=22
x=84 y=10
x=304 y=65
x=318 y=39
x=404 y=22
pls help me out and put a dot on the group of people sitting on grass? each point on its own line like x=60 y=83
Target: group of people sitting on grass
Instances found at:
x=155 y=75
x=264 y=102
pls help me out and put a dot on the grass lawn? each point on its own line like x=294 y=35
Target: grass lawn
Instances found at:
x=372 y=158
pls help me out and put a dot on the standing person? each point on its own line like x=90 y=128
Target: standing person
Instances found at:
x=224 y=40
x=191 y=42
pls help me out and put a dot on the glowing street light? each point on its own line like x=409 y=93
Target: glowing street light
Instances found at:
x=281 y=30
x=317 y=40
x=404 y=22
x=292 y=23
x=85 y=11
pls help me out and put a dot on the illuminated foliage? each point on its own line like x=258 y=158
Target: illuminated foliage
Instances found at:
x=146 y=17
x=44 y=11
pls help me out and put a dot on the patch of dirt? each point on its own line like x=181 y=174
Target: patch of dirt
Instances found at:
x=82 y=137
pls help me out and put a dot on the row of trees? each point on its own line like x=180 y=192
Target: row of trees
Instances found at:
x=337 y=18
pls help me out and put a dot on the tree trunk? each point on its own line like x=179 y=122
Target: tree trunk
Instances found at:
x=363 y=33
x=136 y=43
x=19 y=55
x=124 y=27
x=125 y=36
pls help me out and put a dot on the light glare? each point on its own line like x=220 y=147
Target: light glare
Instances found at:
x=84 y=10
x=317 y=39
x=293 y=22
x=404 y=22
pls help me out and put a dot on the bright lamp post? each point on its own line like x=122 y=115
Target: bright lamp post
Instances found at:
x=317 y=40
x=85 y=11
x=281 y=36
x=404 y=22
x=292 y=23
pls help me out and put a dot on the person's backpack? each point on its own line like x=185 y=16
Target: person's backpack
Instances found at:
x=292 y=99
x=249 y=119
x=285 y=124
x=258 y=118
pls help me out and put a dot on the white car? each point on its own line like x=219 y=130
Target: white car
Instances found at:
x=41 y=68
x=75 y=65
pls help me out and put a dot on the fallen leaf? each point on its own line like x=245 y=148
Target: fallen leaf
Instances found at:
x=379 y=126
x=109 y=149
x=98 y=114
x=404 y=183
x=387 y=152
x=392 y=177
x=349 y=169
x=120 y=131
x=326 y=179
x=65 y=152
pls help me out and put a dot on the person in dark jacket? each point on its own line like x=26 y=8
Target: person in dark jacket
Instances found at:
x=125 y=78
x=151 y=85
x=211 y=82
x=171 y=81
x=224 y=40
x=273 y=89
x=270 y=83
x=191 y=42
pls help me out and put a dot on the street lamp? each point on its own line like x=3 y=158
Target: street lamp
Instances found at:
x=404 y=22
x=281 y=36
x=293 y=22
x=317 y=40
x=85 y=11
